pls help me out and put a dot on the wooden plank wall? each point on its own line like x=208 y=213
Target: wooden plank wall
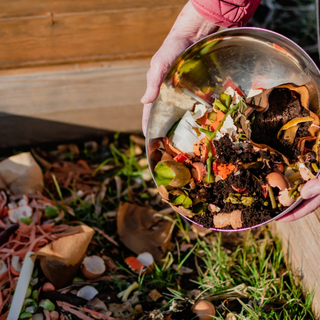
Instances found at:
x=99 y=95
x=301 y=243
x=80 y=62
x=37 y=32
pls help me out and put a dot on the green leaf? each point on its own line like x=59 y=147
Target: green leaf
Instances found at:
x=25 y=315
x=47 y=305
x=163 y=174
x=179 y=199
x=182 y=199
x=25 y=220
x=187 y=203
x=51 y=212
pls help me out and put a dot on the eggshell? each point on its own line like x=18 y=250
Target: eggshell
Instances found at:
x=285 y=199
x=204 y=310
x=93 y=267
x=277 y=179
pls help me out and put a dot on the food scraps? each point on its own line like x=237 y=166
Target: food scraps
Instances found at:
x=240 y=162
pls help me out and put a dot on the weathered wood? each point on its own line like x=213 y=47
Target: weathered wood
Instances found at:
x=104 y=97
x=301 y=243
x=53 y=32
x=29 y=8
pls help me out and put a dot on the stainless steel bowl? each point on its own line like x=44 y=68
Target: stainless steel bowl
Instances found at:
x=251 y=57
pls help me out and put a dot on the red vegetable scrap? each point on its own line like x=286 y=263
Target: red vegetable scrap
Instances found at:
x=239 y=190
x=200 y=149
x=198 y=171
x=180 y=158
x=223 y=170
x=134 y=264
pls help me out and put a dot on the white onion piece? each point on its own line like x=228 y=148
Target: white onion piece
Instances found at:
x=19 y=212
x=145 y=258
x=185 y=136
x=37 y=316
x=87 y=292
x=16 y=263
x=3 y=267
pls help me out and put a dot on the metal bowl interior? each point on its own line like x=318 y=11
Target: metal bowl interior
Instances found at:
x=252 y=57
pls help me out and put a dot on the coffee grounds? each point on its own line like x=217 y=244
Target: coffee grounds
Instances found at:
x=250 y=179
x=284 y=105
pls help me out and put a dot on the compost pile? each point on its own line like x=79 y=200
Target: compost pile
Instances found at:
x=85 y=235
x=240 y=162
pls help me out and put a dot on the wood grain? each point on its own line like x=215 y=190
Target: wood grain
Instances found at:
x=30 y=8
x=104 y=97
x=117 y=31
x=301 y=244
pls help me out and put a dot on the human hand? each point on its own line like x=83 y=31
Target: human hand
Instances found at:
x=189 y=27
x=311 y=193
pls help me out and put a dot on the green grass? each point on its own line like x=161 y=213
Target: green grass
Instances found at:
x=243 y=273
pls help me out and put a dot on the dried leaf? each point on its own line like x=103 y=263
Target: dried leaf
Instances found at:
x=154 y=295
x=21 y=174
x=141 y=231
x=121 y=311
x=61 y=259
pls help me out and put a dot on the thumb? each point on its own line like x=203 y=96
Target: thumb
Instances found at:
x=311 y=189
x=145 y=116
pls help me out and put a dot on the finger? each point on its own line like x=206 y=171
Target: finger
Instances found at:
x=302 y=210
x=311 y=189
x=160 y=64
x=155 y=77
x=145 y=116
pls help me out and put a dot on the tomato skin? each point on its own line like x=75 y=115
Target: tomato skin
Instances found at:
x=239 y=190
x=180 y=158
x=215 y=167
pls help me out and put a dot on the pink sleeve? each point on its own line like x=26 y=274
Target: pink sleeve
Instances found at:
x=231 y=13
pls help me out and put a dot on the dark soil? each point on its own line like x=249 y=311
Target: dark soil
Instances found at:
x=252 y=179
x=284 y=105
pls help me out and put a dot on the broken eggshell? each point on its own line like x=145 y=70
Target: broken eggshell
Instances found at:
x=204 y=310
x=277 y=180
x=93 y=267
x=285 y=199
